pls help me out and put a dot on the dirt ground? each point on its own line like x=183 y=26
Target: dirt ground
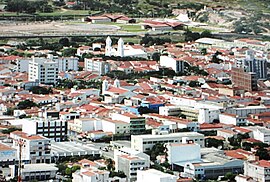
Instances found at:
x=53 y=27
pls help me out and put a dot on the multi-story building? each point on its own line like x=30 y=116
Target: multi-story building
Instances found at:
x=23 y=64
x=252 y=64
x=155 y=175
x=136 y=123
x=35 y=148
x=257 y=170
x=173 y=63
x=96 y=65
x=67 y=63
x=50 y=128
x=115 y=126
x=8 y=155
x=83 y=125
x=260 y=133
x=244 y=79
x=130 y=161
x=43 y=71
x=146 y=142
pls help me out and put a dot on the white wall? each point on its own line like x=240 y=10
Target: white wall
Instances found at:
x=183 y=152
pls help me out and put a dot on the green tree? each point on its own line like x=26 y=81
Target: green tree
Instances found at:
x=69 y=52
x=206 y=33
x=212 y=142
x=26 y=104
x=64 y=41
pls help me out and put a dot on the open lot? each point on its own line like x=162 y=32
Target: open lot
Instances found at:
x=53 y=27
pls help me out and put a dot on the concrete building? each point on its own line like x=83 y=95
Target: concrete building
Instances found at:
x=130 y=161
x=245 y=111
x=68 y=149
x=50 y=128
x=90 y=175
x=211 y=166
x=173 y=63
x=260 y=133
x=23 y=65
x=8 y=155
x=67 y=63
x=115 y=126
x=84 y=125
x=244 y=79
x=146 y=142
x=96 y=65
x=169 y=110
x=35 y=149
x=183 y=152
x=42 y=70
x=252 y=64
x=137 y=123
x=155 y=176
x=258 y=171
x=232 y=119
x=39 y=172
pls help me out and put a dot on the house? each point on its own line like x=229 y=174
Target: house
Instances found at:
x=98 y=19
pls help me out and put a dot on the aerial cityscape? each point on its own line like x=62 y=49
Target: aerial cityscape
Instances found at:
x=135 y=90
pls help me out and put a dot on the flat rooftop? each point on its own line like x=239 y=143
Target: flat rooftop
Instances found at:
x=39 y=167
x=180 y=134
x=74 y=148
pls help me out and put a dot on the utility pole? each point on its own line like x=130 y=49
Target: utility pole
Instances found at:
x=20 y=143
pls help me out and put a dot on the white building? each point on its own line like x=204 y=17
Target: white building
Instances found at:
x=232 y=119
x=23 y=64
x=173 y=63
x=83 y=50
x=39 y=172
x=130 y=161
x=155 y=176
x=183 y=152
x=123 y=50
x=212 y=165
x=90 y=175
x=261 y=133
x=245 y=111
x=146 y=142
x=8 y=155
x=83 y=125
x=50 y=128
x=35 y=148
x=115 y=126
x=96 y=65
x=43 y=71
x=67 y=63
x=258 y=170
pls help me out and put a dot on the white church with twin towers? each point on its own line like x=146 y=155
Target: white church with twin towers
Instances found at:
x=123 y=50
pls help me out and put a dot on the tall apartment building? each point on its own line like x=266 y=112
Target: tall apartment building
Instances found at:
x=244 y=79
x=96 y=65
x=35 y=148
x=50 y=128
x=136 y=123
x=43 y=71
x=67 y=63
x=253 y=64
